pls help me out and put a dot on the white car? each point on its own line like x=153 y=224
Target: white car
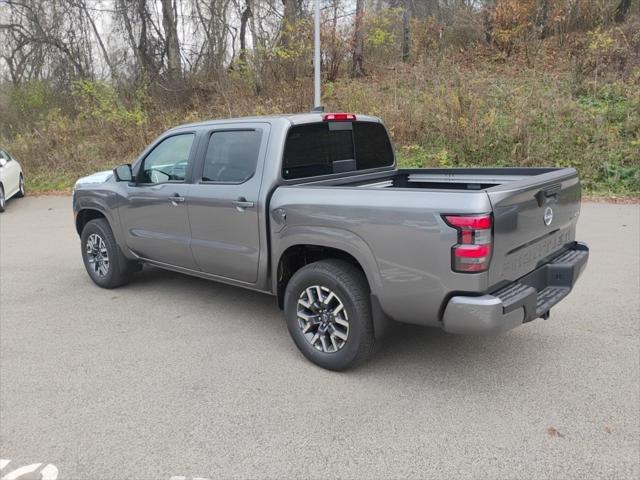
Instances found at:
x=11 y=179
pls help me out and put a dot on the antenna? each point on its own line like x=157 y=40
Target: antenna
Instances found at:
x=316 y=61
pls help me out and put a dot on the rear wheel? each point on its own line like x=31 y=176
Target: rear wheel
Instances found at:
x=21 y=189
x=328 y=312
x=105 y=263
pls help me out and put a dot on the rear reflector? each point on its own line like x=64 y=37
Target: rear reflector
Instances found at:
x=471 y=267
x=472 y=253
x=339 y=117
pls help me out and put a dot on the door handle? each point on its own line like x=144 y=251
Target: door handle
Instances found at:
x=175 y=199
x=242 y=203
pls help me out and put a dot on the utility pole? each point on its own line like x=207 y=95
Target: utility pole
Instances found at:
x=316 y=60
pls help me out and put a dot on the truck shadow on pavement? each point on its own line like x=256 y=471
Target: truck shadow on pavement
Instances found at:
x=405 y=349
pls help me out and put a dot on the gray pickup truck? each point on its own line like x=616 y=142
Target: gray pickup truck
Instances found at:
x=312 y=209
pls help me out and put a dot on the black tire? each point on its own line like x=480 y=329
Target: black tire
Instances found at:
x=349 y=284
x=3 y=201
x=119 y=268
x=22 y=190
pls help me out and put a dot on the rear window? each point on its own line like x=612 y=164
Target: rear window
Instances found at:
x=333 y=147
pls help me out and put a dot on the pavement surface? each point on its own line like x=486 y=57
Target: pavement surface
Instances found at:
x=177 y=377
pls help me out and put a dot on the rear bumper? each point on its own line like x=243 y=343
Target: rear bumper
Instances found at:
x=528 y=298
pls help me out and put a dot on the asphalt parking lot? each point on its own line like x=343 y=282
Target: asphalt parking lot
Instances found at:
x=178 y=377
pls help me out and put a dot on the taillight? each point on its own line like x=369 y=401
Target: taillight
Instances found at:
x=472 y=253
x=339 y=117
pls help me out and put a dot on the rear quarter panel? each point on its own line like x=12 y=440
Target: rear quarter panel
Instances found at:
x=398 y=236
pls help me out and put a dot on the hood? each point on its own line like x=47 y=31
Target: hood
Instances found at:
x=94 y=178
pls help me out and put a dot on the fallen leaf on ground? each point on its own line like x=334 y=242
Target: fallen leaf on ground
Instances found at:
x=553 y=432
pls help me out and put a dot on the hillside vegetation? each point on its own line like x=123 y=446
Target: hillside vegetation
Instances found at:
x=562 y=99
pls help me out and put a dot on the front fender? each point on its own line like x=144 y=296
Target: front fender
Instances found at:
x=103 y=201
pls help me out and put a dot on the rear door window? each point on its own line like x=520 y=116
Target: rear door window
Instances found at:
x=332 y=147
x=232 y=156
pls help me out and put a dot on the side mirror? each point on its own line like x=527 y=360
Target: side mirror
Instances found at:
x=3 y=162
x=123 y=173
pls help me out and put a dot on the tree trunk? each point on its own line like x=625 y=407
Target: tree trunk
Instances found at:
x=288 y=61
x=357 y=69
x=486 y=16
x=542 y=15
x=146 y=61
x=246 y=13
x=257 y=45
x=172 y=43
x=406 y=22
x=288 y=21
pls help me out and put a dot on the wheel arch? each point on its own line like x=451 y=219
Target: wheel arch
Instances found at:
x=297 y=249
x=85 y=215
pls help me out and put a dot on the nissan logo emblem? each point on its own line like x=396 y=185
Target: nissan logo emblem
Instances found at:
x=548 y=216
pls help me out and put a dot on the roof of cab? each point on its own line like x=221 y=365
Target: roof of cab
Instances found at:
x=293 y=119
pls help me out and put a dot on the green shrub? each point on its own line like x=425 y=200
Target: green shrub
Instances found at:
x=100 y=102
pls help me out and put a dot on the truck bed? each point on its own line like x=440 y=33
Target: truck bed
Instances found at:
x=404 y=229
x=439 y=178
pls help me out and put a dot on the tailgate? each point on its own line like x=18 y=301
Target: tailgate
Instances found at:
x=534 y=218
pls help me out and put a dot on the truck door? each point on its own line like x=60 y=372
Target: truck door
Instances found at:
x=153 y=212
x=224 y=201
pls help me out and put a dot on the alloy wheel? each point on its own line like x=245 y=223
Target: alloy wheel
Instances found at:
x=323 y=319
x=97 y=254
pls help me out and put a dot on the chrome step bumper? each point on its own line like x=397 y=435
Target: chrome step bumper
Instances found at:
x=530 y=297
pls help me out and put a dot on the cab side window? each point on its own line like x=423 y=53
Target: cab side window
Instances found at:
x=168 y=161
x=232 y=156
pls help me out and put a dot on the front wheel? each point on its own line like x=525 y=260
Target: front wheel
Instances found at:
x=22 y=191
x=3 y=200
x=328 y=312
x=105 y=263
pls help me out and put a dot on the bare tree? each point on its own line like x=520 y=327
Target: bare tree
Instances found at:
x=53 y=33
x=357 y=67
x=244 y=18
x=406 y=25
x=82 y=5
x=258 y=44
x=541 y=17
x=212 y=18
x=332 y=49
x=172 y=43
x=134 y=15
